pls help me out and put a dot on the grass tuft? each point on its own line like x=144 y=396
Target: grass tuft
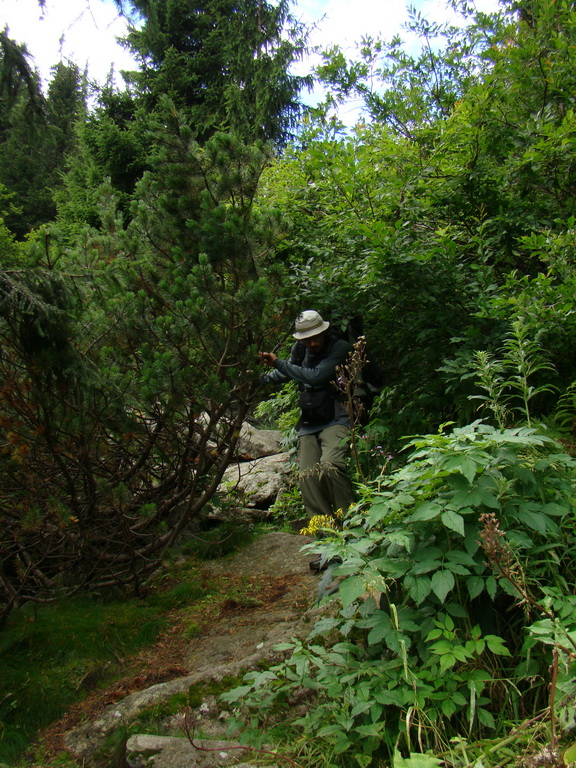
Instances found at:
x=51 y=654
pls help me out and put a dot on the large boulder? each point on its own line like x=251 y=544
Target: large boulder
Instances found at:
x=255 y=443
x=256 y=484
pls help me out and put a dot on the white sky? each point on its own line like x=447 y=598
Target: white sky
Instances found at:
x=85 y=31
x=82 y=31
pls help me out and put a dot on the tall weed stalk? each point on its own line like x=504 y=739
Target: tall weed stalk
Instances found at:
x=509 y=380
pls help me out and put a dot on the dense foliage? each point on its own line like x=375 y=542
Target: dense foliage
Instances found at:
x=456 y=578
x=122 y=397
x=172 y=230
x=37 y=133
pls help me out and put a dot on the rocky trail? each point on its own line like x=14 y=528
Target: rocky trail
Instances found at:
x=279 y=602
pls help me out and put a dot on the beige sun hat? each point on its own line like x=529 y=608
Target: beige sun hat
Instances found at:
x=309 y=323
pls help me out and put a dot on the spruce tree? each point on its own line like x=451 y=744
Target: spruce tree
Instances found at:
x=37 y=133
x=226 y=62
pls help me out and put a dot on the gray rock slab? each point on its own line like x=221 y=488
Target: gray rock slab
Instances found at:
x=239 y=641
x=257 y=482
x=255 y=443
x=174 y=752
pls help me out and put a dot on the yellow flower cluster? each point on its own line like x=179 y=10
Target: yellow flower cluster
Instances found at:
x=319 y=522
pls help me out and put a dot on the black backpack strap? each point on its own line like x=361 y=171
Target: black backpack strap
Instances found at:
x=298 y=353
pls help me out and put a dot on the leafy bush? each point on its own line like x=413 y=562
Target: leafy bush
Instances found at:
x=448 y=568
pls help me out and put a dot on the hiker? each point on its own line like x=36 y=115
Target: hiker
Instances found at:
x=324 y=426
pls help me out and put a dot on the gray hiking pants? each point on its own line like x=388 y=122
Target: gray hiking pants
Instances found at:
x=324 y=481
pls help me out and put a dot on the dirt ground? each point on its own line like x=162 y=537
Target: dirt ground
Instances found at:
x=277 y=587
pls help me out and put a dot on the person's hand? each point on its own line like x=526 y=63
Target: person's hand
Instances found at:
x=268 y=358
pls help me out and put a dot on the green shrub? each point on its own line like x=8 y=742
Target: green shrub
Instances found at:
x=449 y=567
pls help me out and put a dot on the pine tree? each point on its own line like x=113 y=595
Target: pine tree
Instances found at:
x=122 y=397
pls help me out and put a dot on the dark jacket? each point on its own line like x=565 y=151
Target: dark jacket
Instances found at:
x=314 y=372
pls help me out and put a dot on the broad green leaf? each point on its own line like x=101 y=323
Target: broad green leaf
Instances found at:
x=378 y=512
x=342 y=744
x=532 y=520
x=376 y=712
x=457 y=556
x=456 y=568
x=416 y=760
x=322 y=626
x=454 y=521
x=466 y=498
x=491 y=586
x=420 y=589
x=519 y=540
x=462 y=654
x=350 y=589
x=475 y=586
x=481 y=676
x=390 y=566
x=556 y=510
x=526 y=477
x=570 y=754
x=441 y=647
x=380 y=629
x=486 y=718
x=447 y=661
x=453 y=463
x=426 y=511
x=488 y=499
x=359 y=708
x=373 y=729
x=455 y=609
x=496 y=645
x=425 y=566
x=390 y=698
x=237 y=693
x=458 y=483
x=400 y=538
x=261 y=677
x=468 y=469
x=442 y=583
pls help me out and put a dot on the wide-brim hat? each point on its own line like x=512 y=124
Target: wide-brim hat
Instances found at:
x=309 y=323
